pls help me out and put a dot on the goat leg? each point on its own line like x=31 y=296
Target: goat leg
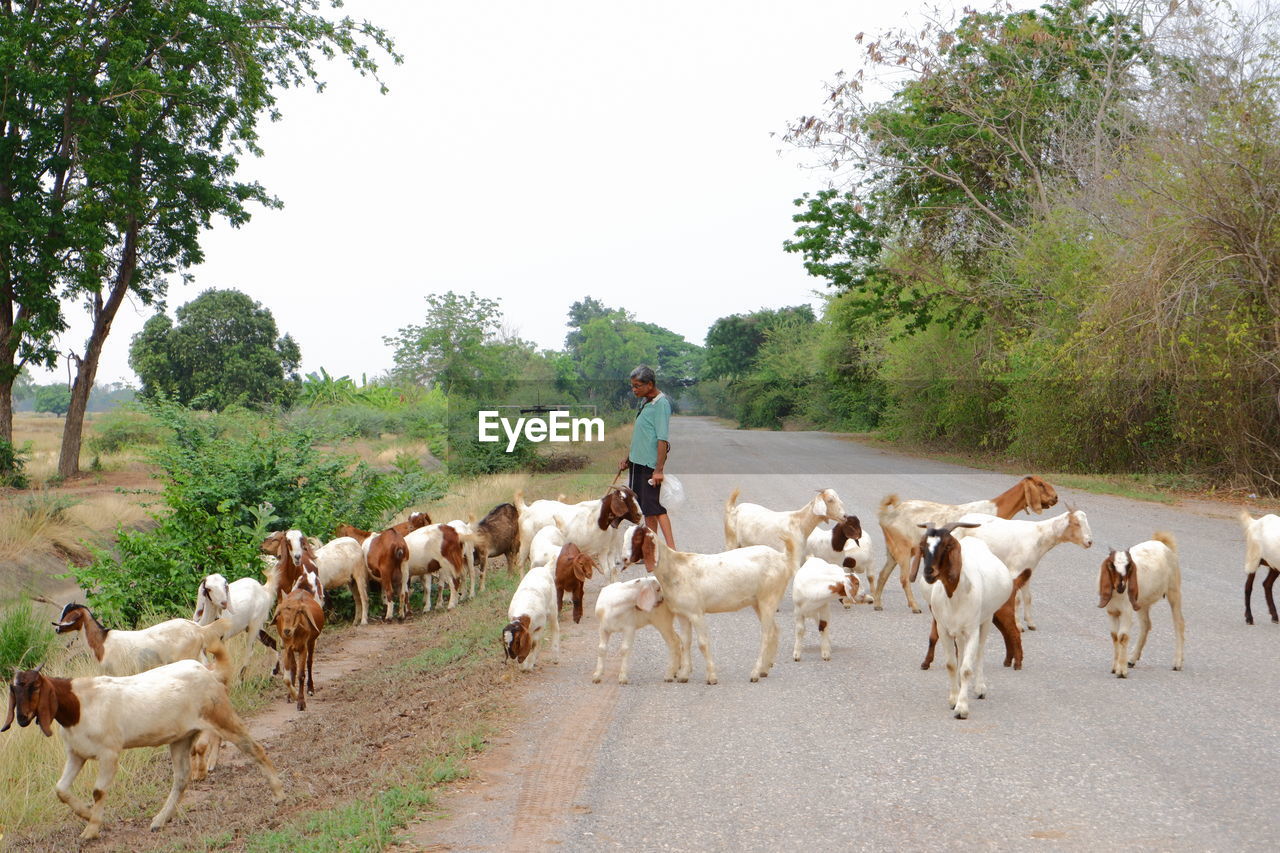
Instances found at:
x=1007 y=624
x=1268 y=587
x=933 y=642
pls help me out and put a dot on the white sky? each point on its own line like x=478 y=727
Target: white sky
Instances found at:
x=535 y=152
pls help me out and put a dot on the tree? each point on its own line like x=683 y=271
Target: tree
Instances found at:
x=224 y=349
x=461 y=348
x=121 y=131
x=734 y=342
x=55 y=398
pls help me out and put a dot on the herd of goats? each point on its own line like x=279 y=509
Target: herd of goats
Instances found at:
x=971 y=563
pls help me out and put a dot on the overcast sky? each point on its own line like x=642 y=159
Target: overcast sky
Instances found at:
x=534 y=152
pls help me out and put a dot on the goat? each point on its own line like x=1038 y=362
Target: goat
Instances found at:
x=385 y=554
x=413 y=522
x=751 y=524
x=498 y=533
x=591 y=525
x=573 y=569
x=1261 y=548
x=628 y=607
x=532 y=610
x=694 y=585
x=967 y=584
x=130 y=652
x=816 y=585
x=292 y=553
x=246 y=602
x=846 y=545
x=466 y=530
x=1133 y=580
x=340 y=562
x=299 y=619
x=899 y=521
x=437 y=548
x=102 y=716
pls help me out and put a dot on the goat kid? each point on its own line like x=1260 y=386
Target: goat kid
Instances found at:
x=627 y=607
x=848 y=546
x=816 y=585
x=246 y=602
x=573 y=570
x=1132 y=581
x=299 y=619
x=532 y=611
x=101 y=716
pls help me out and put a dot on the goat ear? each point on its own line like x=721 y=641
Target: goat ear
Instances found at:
x=47 y=707
x=1031 y=494
x=582 y=569
x=1105 y=585
x=1132 y=588
x=915 y=564
x=200 y=594
x=649 y=550
x=13 y=706
x=648 y=598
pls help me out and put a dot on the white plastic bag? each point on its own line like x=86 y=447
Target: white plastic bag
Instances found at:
x=672 y=494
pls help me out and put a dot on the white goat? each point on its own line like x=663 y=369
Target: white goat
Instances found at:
x=967 y=584
x=1261 y=548
x=101 y=716
x=130 y=652
x=694 y=585
x=751 y=524
x=340 y=562
x=246 y=603
x=547 y=543
x=627 y=607
x=1022 y=544
x=532 y=610
x=591 y=525
x=816 y=585
x=900 y=522
x=1134 y=580
x=846 y=545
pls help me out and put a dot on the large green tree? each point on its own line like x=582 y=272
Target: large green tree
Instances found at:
x=224 y=349
x=734 y=342
x=461 y=347
x=121 y=131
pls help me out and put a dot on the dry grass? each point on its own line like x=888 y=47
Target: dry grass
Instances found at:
x=43 y=433
x=45 y=522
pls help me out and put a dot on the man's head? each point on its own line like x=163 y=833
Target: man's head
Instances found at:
x=643 y=381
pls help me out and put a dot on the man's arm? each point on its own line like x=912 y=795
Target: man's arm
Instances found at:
x=663 y=446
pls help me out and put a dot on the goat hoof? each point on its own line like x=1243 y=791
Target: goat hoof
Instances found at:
x=962 y=715
x=623 y=680
x=924 y=664
x=915 y=610
x=683 y=679
x=1275 y=619
x=1248 y=620
x=754 y=679
x=1018 y=665
x=1177 y=669
x=595 y=679
x=826 y=657
x=795 y=657
x=879 y=607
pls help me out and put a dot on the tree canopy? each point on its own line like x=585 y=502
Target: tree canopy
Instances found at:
x=223 y=349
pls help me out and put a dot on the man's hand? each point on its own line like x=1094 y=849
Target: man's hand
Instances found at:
x=625 y=464
x=657 y=477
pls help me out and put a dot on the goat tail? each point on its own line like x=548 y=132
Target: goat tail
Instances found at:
x=793 y=552
x=1021 y=580
x=730 y=516
x=1167 y=539
x=1246 y=520
x=215 y=631
x=887 y=503
x=221 y=665
x=520 y=505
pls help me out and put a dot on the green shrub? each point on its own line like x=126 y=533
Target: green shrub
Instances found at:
x=122 y=428
x=13 y=461
x=227 y=477
x=25 y=638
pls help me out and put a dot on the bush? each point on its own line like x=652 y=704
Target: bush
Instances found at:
x=12 y=462
x=25 y=638
x=123 y=428
x=228 y=477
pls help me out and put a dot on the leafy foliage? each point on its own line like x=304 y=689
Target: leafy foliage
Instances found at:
x=223 y=350
x=25 y=638
x=54 y=398
x=13 y=461
x=222 y=474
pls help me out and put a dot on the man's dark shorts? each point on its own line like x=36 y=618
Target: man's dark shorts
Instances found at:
x=646 y=495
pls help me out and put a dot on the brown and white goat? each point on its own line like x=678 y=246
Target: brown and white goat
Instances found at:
x=299 y=619
x=900 y=521
x=436 y=548
x=120 y=652
x=846 y=545
x=101 y=716
x=591 y=525
x=292 y=554
x=573 y=569
x=1261 y=548
x=385 y=554
x=1132 y=581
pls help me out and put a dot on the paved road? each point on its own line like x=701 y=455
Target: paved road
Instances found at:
x=861 y=752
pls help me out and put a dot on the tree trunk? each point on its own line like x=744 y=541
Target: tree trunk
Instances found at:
x=87 y=370
x=6 y=411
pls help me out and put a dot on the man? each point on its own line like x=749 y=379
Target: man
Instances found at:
x=649 y=447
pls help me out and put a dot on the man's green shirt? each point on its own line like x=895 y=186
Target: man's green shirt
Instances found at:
x=651 y=427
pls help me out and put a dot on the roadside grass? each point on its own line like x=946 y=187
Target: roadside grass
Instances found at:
x=43 y=434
